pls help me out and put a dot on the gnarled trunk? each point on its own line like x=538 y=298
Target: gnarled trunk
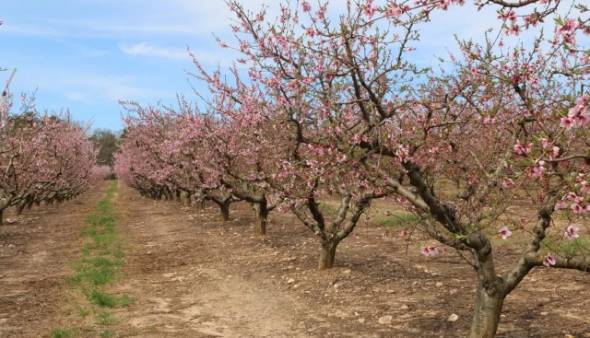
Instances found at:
x=327 y=255
x=490 y=294
x=486 y=313
x=223 y=207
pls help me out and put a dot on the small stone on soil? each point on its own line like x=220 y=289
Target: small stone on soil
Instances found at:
x=385 y=320
x=453 y=318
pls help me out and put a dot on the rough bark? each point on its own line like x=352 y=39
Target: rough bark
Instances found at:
x=486 y=312
x=327 y=255
x=490 y=293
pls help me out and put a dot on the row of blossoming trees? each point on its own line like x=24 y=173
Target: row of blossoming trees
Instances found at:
x=496 y=142
x=42 y=158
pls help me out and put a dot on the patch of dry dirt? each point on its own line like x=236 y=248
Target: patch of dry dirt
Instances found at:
x=186 y=284
x=36 y=251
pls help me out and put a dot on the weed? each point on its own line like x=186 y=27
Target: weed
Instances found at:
x=83 y=312
x=107 y=334
x=125 y=301
x=64 y=333
x=105 y=318
x=102 y=299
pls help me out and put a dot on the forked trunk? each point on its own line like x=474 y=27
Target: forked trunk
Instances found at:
x=327 y=255
x=486 y=313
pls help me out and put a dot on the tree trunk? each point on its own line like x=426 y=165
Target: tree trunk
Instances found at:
x=1 y=216
x=327 y=255
x=224 y=207
x=486 y=313
x=262 y=209
x=19 y=209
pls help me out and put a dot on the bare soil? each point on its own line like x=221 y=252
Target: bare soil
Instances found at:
x=36 y=252
x=192 y=275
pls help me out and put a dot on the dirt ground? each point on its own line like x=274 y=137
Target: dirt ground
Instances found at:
x=191 y=275
x=36 y=251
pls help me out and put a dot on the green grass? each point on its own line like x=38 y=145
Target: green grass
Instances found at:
x=84 y=312
x=99 y=266
x=107 y=334
x=102 y=299
x=576 y=247
x=330 y=208
x=64 y=333
x=395 y=220
x=125 y=301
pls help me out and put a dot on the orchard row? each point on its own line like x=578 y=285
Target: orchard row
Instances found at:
x=43 y=158
x=494 y=143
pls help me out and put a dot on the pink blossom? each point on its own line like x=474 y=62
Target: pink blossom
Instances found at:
x=513 y=30
x=507 y=183
x=444 y=4
x=571 y=232
x=504 y=232
x=566 y=122
x=370 y=8
x=556 y=152
x=568 y=27
x=568 y=31
x=539 y=169
x=577 y=208
x=522 y=150
x=402 y=153
x=306 y=6
x=561 y=205
x=549 y=260
x=430 y=251
x=393 y=10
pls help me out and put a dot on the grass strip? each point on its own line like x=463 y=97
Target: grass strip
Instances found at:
x=100 y=265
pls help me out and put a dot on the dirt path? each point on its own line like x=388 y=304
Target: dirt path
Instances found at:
x=194 y=276
x=36 y=251
x=183 y=280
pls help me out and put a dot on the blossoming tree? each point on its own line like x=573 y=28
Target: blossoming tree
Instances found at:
x=42 y=158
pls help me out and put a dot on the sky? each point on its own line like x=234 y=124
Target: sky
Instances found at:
x=86 y=55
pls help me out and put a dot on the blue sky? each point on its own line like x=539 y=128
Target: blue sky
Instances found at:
x=85 y=55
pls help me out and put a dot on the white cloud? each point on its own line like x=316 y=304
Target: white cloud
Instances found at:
x=146 y=49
